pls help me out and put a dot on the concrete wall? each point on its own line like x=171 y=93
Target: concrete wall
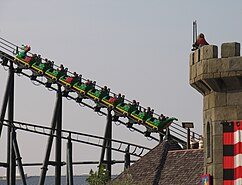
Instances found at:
x=219 y=80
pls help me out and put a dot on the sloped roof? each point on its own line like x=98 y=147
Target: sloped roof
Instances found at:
x=161 y=166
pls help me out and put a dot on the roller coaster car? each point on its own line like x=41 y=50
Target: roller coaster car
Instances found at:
x=111 y=101
x=97 y=94
x=68 y=81
x=21 y=55
x=83 y=87
x=126 y=109
x=54 y=73
x=153 y=122
x=27 y=62
x=160 y=124
x=40 y=67
x=23 y=58
x=141 y=116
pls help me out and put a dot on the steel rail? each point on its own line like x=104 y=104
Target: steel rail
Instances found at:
x=103 y=113
x=179 y=129
x=66 y=135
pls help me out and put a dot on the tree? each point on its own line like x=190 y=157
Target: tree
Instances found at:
x=99 y=177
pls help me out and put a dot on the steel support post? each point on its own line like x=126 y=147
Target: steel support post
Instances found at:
x=69 y=165
x=5 y=101
x=103 y=150
x=12 y=163
x=109 y=143
x=11 y=171
x=3 y=112
x=127 y=158
x=18 y=157
x=58 y=139
x=104 y=146
x=49 y=145
x=162 y=135
x=188 y=138
x=8 y=154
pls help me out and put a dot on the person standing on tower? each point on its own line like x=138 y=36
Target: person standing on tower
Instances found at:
x=201 y=41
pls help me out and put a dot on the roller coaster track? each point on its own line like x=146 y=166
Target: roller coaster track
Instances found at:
x=8 y=51
x=119 y=146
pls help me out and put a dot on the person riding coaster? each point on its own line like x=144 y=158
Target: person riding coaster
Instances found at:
x=23 y=54
x=53 y=74
x=132 y=110
x=98 y=96
x=82 y=88
x=125 y=110
x=113 y=101
x=40 y=66
x=23 y=60
x=69 y=81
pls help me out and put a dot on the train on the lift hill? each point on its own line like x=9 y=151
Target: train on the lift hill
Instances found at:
x=72 y=82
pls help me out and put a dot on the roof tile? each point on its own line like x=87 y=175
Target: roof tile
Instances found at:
x=161 y=166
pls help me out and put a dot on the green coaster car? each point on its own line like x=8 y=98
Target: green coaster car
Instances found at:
x=140 y=115
x=28 y=61
x=68 y=81
x=160 y=124
x=127 y=109
x=83 y=87
x=97 y=94
x=21 y=55
x=40 y=67
x=111 y=101
x=54 y=73
x=23 y=58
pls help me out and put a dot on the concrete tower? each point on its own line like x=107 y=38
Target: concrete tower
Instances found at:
x=219 y=80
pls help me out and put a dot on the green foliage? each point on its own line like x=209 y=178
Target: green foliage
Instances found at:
x=99 y=177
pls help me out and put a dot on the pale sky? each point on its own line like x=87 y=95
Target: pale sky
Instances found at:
x=139 y=48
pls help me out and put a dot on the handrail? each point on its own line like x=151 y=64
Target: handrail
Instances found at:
x=70 y=135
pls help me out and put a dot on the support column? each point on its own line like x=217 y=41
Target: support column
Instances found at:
x=11 y=171
x=127 y=158
x=3 y=112
x=188 y=138
x=13 y=153
x=69 y=166
x=44 y=168
x=58 y=139
x=12 y=158
x=18 y=157
x=5 y=100
x=107 y=144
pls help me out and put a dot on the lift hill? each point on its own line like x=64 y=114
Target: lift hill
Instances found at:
x=78 y=88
